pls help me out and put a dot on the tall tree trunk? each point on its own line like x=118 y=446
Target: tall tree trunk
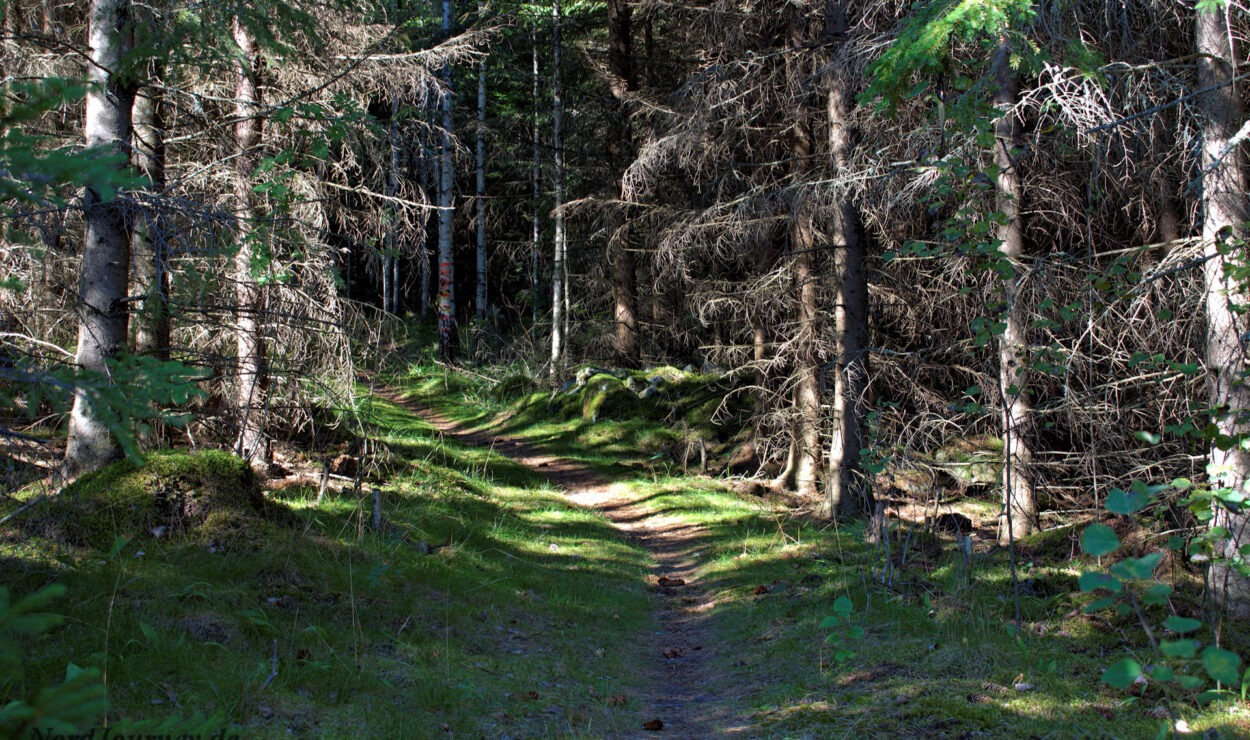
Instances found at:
x=806 y=362
x=536 y=186
x=252 y=361
x=623 y=81
x=559 y=273
x=106 y=246
x=390 y=262
x=480 y=297
x=13 y=17
x=447 y=339
x=848 y=496
x=807 y=452
x=1224 y=216
x=431 y=169
x=1020 y=509
x=149 y=244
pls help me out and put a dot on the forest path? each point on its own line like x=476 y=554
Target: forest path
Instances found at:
x=680 y=691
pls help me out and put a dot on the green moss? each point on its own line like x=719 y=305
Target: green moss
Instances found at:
x=606 y=397
x=172 y=494
x=514 y=387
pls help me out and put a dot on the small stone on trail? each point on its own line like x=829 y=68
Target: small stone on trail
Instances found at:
x=654 y=725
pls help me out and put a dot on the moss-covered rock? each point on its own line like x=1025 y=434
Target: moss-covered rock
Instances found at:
x=207 y=496
x=972 y=461
x=607 y=397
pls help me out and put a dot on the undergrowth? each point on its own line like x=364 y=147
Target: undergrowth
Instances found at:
x=485 y=605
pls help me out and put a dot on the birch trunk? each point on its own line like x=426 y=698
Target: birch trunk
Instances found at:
x=559 y=293
x=252 y=362
x=1019 y=507
x=103 y=274
x=1224 y=216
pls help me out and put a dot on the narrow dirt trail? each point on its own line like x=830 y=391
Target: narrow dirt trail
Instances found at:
x=680 y=691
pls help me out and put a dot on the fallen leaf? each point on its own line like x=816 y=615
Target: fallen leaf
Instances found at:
x=618 y=700
x=531 y=695
x=760 y=590
x=673 y=652
x=653 y=725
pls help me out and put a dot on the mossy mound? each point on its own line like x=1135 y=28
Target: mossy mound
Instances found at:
x=607 y=397
x=207 y=497
x=513 y=387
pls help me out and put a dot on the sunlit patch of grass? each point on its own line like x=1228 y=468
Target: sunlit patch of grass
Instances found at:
x=458 y=615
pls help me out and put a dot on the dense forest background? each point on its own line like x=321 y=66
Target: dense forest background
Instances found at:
x=987 y=245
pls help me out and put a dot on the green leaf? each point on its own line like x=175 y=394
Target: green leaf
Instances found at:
x=1156 y=594
x=1099 y=540
x=1137 y=568
x=1163 y=673
x=1222 y=665
x=1179 y=648
x=842 y=605
x=855 y=632
x=1181 y=625
x=829 y=623
x=1148 y=437
x=1099 y=605
x=1121 y=675
x=1126 y=502
x=1190 y=683
x=1093 y=580
x=118 y=545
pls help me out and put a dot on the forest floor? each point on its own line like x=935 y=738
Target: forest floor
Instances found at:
x=539 y=567
x=681 y=695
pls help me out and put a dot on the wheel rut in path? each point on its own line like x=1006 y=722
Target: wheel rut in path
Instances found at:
x=681 y=688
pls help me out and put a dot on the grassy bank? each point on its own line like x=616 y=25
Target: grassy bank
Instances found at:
x=485 y=605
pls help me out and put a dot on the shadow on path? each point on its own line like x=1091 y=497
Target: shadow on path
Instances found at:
x=681 y=692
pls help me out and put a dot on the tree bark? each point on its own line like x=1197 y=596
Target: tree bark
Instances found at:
x=149 y=243
x=447 y=338
x=390 y=262
x=847 y=494
x=1020 y=509
x=807 y=364
x=623 y=80
x=559 y=273
x=252 y=360
x=536 y=186
x=106 y=246
x=481 y=295
x=13 y=17
x=1224 y=216
x=806 y=449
